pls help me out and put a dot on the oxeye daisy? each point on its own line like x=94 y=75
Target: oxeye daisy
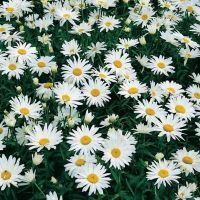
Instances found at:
x=5 y=28
x=10 y=170
x=83 y=27
x=160 y=65
x=169 y=37
x=182 y=107
x=67 y=94
x=195 y=77
x=53 y=196
x=85 y=140
x=163 y=171
x=156 y=91
x=77 y=71
x=128 y=75
x=28 y=178
x=23 y=106
x=143 y=129
x=183 y=193
x=188 y=159
x=3 y=130
x=127 y=43
x=45 y=88
x=96 y=92
x=132 y=89
x=195 y=28
x=71 y=48
x=194 y=93
x=24 y=53
x=46 y=137
x=94 y=178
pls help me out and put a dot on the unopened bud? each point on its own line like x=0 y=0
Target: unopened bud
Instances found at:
x=142 y=40
x=127 y=29
x=21 y=28
x=19 y=89
x=35 y=81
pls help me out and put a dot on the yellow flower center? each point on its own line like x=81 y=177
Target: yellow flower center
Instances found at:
x=44 y=141
x=85 y=140
x=65 y=97
x=72 y=51
x=126 y=46
x=66 y=15
x=10 y=9
x=1 y=130
x=153 y=93
x=161 y=65
x=41 y=64
x=135 y=10
x=168 y=127
x=133 y=90
x=144 y=17
x=127 y=76
x=22 y=51
x=172 y=90
x=80 y=162
x=95 y=92
x=52 y=10
x=97 y=16
x=5 y=175
x=77 y=71
x=185 y=40
x=188 y=55
x=163 y=173
x=48 y=85
x=187 y=160
x=108 y=24
x=92 y=178
x=190 y=8
x=94 y=49
x=81 y=30
x=24 y=111
x=116 y=152
x=167 y=5
x=171 y=16
x=180 y=109
x=102 y=75
x=150 y=111
x=12 y=67
x=117 y=63
x=2 y=29
x=197 y=95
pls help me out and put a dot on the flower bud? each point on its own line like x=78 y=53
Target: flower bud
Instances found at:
x=142 y=40
x=159 y=156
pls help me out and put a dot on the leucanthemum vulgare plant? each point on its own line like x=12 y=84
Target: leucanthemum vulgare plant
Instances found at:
x=99 y=99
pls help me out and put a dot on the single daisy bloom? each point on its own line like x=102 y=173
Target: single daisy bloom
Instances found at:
x=10 y=170
x=118 y=152
x=104 y=3
x=5 y=28
x=77 y=71
x=24 y=53
x=45 y=88
x=108 y=23
x=28 y=178
x=126 y=43
x=20 y=134
x=149 y=109
x=182 y=107
x=67 y=94
x=156 y=91
x=196 y=78
x=143 y=60
x=70 y=48
x=171 y=126
x=195 y=28
x=96 y=92
x=128 y=75
x=50 y=8
x=85 y=140
x=83 y=27
x=53 y=196
x=44 y=23
x=190 y=160
x=77 y=162
x=160 y=65
x=143 y=129
x=3 y=130
x=194 y=93
x=169 y=37
x=47 y=137
x=88 y=117
x=24 y=108
x=163 y=171
x=109 y=120
x=183 y=193
x=132 y=89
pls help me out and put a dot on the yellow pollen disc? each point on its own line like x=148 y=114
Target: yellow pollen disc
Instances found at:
x=66 y=15
x=5 y=175
x=68 y=117
x=102 y=75
x=188 y=55
x=77 y=71
x=1 y=130
x=171 y=16
x=81 y=30
x=172 y=90
x=127 y=76
x=44 y=141
x=197 y=95
x=161 y=65
x=97 y=16
x=163 y=173
x=187 y=160
x=65 y=97
x=150 y=111
x=108 y=24
x=94 y=49
x=52 y=10
x=85 y=140
x=95 y=92
x=10 y=9
x=168 y=127
x=2 y=29
x=72 y=51
x=117 y=63
x=190 y=8
x=182 y=1
x=185 y=40
x=144 y=17
x=24 y=111
x=81 y=5
x=22 y=51
x=126 y=46
x=116 y=152
x=80 y=162
x=167 y=5
x=133 y=90
x=180 y=109
x=41 y=64
x=153 y=93
x=48 y=85
x=135 y=10
x=92 y=178
x=12 y=67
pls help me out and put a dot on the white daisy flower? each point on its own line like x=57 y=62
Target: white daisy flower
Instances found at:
x=183 y=193
x=194 y=93
x=5 y=28
x=109 y=120
x=71 y=48
x=126 y=43
x=45 y=88
x=156 y=91
x=195 y=77
x=143 y=129
x=83 y=27
x=3 y=130
x=53 y=196
x=28 y=178
x=195 y=28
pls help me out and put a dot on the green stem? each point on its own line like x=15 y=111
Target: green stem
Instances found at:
x=40 y=189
